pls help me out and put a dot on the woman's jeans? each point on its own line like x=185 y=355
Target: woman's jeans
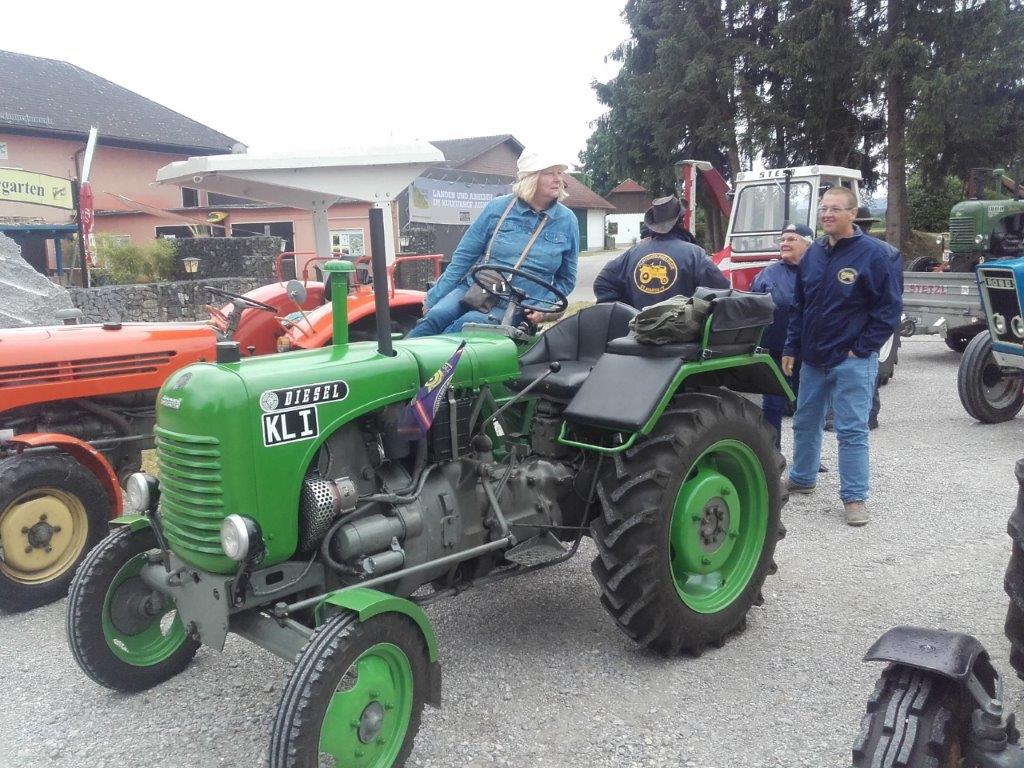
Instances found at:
x=849 y=387
x=773 y=406
x=449 y=314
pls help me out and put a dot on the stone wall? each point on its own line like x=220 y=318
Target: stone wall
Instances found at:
x=179 y=300
x=227 y=257
x=232 y=264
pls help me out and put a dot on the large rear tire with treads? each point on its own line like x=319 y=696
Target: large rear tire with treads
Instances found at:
x=690 y=516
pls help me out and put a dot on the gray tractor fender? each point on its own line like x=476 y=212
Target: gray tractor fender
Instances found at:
x=954 y=655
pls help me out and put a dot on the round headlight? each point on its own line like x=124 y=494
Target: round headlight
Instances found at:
x=137 y=492
x=234 y=537
x=241 y=539
x=979 y=239
x=999 y=323
x=1017 y=325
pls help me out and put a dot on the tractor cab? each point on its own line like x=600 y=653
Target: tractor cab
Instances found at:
x=763 y=202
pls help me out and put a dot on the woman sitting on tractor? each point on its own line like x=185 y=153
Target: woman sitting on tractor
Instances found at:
x=528 y=231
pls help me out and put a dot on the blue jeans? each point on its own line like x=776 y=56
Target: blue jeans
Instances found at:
x=849 y=387
x=449 y=314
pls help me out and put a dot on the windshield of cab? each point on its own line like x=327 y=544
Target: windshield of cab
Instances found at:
x=760 y=212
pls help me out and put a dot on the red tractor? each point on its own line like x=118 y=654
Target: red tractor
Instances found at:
x=77 y=408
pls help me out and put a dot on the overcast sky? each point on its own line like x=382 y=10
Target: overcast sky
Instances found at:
x=302 y=75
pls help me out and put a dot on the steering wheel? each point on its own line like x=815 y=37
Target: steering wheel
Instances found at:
x=252 y=303
x=505 y=291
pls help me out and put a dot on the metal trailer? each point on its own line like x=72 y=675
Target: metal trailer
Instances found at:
x=943 y=303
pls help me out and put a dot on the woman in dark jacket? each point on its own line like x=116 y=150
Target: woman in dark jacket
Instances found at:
x=779 y=280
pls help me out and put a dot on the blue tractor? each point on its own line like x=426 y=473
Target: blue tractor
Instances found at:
x=990 y=380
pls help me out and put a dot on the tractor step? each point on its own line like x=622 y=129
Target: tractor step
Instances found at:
x=537 y=550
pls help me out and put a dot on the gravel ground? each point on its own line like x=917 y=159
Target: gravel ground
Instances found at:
x=535 y=674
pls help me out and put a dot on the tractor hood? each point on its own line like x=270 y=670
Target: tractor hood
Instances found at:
x=68 y=361
x=240 y=437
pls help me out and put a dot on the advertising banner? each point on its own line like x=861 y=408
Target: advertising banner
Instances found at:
x=27 y=187
x=432 y=201
x=86 y=213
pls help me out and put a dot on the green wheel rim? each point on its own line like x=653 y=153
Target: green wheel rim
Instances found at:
x=149 y=639
x=718 y=529
x=368 y=715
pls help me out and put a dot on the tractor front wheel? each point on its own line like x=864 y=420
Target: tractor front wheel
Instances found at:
x=356 y=695
x=689 y=519
x=123 y=634
x=914 y=719
x=985 y=391
x=52 y=511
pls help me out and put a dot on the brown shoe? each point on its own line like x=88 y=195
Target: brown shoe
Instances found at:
x=795 y=488
x=856 y=514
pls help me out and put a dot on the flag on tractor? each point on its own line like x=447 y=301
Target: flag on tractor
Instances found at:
x=421 y=411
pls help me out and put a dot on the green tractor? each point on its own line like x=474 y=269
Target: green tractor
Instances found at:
x=295 y=507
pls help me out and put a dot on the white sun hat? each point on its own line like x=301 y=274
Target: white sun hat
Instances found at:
x=532 y=161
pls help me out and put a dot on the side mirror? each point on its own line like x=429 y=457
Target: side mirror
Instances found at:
x=296 y=291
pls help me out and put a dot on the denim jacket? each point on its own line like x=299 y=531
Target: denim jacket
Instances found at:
x=552 y=258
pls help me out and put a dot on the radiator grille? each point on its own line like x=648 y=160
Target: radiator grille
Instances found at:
x=82 y=370
x=961 y=232
x=191 y=505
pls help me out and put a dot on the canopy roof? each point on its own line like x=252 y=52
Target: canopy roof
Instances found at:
x=373 y=174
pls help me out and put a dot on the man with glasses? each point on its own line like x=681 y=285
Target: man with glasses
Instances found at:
x=846 y=304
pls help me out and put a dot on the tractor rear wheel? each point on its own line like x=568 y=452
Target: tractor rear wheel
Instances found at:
x=52 y=511
x=985 y=392
x=123 y=634
x=914 y=719
x=356 y=695
x=689 y=519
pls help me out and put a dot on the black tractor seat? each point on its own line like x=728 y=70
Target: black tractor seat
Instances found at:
x=576 y=342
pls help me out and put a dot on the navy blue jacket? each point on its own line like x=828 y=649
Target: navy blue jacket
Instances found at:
x=779 y=280
x=847 y=298
x=657 y=269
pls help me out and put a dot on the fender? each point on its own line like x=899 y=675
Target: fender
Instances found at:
x=84 y=454
x=360 y=305
x=951 y=654
x=134 y=522
x=367 y=603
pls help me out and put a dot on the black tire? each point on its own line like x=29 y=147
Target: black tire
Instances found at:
x=88 y=614
x=922 y=264
x=985 y=394
x=332 y=650
x=638 y=492
x=958 y=339
x=1013 y=581
x=887 y=364
x=956 y=342
x=52 y=512
x=914 y=719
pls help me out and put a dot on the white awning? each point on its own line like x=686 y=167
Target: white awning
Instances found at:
x=373 y=174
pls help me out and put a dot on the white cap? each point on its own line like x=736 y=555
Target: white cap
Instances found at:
x=532 y=162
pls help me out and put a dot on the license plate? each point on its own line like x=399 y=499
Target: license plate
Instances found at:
x=282 y=427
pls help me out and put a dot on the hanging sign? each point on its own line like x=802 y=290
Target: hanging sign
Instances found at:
x=432 y=201
x=26 y=187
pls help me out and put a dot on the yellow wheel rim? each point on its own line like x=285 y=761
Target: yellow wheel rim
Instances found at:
x=43 y=533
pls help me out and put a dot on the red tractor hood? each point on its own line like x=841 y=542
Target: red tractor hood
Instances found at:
x=61 y=362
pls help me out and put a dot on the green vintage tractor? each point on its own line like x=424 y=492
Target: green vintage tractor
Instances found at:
x=295 y=508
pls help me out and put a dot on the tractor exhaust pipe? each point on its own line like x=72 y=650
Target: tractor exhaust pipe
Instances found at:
x=381 y=289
